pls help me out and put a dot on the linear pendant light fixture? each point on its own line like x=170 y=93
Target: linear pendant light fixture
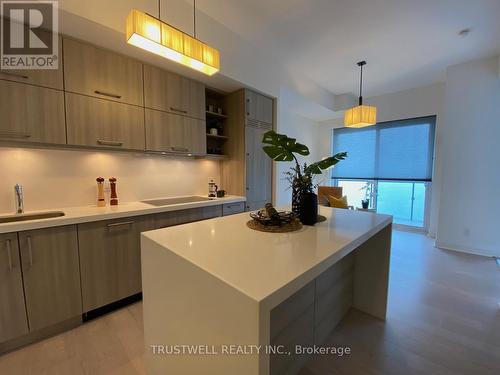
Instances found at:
x=362 y=115
x=153 y=35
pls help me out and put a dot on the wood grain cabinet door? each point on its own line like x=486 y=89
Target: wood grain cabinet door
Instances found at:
x=265 y=109
x=51 y=78
x=258 y=167
x=102 y=123
x=101 y=73
x=51 y=275
x=31 y=114
x=110 y=259
x=169 y=92
x=167 y=132
x=13 y=321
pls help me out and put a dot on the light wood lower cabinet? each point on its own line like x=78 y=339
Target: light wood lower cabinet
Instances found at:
x=51 y=275
x=13 y=321
x=168 y=219
x=31 y=114
x=168 y=132
x=110 y=259
x=103 y=123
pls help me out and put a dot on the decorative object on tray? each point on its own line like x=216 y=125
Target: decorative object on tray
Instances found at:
x=280 y=147
x=269 y=219
x=321 y=218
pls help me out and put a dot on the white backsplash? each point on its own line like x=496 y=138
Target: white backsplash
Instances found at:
x=66 y=178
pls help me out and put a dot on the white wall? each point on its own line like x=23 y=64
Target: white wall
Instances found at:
x=307 y=132
x=63 y=178
x=416 y=102
x=469 y=217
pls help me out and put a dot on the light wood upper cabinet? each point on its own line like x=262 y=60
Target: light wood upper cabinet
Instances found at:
x=170 y=92
x=258 y=167
x=265 y=109
x=110 y=259
x=258 y=108
x=31 y=113
x=168 y=132
x=52 y=78
x=13 y=321
x=103 y=123
x=51 y=275
x=97 y=72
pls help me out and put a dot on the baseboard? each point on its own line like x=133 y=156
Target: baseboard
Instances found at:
x=479 y=252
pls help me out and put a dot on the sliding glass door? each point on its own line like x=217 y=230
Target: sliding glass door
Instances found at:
x=406 y=201
x=390 y=165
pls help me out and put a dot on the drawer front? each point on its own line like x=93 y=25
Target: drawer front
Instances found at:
x=233 y=208
x=169 y=92
x=284 y=315
x=101 y=73
x=31 y=114
x=299 y=333
x=103 y=123
x=197 y=214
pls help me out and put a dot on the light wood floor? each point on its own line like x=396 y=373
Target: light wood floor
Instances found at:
x=443 y=319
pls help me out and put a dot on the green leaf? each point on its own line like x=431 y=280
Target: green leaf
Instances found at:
x=320 y=166
x=281 y=148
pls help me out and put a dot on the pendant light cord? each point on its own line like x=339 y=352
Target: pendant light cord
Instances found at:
x=194 y=18
x=159 y=10
x=361 y=64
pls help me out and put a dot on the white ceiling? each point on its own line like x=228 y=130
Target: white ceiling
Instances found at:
x=309 y=46
x=407 y=43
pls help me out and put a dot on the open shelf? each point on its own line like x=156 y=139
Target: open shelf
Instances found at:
x=215 y=114
x=222 y=137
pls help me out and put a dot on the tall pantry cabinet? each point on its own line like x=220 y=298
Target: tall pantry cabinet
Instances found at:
x=248 y=171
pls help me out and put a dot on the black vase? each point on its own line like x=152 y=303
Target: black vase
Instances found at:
x=308 y=208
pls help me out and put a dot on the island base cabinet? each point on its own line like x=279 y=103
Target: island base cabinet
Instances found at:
x=110 y=259
x=13 y=321
x=51 y=274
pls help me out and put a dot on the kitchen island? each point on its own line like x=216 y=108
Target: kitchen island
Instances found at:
x=220 y=298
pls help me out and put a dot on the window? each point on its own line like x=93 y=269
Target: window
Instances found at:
x=389 y=164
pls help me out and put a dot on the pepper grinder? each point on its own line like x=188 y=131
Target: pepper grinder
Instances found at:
x=101 y=202
x=114 y=198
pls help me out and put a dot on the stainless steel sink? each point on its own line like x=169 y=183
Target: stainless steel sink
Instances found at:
x=169 y=201
x=34 y=216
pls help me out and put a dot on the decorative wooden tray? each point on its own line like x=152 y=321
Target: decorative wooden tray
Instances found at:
x=291 y=226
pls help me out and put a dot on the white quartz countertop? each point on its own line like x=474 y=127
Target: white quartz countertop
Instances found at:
x=84 y=214
x=260 y=264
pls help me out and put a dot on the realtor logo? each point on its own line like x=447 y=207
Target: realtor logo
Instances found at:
x=29 y=37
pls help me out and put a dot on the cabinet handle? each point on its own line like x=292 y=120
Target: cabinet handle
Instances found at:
x=17 y=75
x=123 y=223
x=30 y=251
x=111 y=95
x=9 y=254
x=178 y=110
x=14 y=135
x=109 y=143
x=180 y=149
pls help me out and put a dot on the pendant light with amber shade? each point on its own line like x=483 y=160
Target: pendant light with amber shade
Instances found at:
x=361 y=115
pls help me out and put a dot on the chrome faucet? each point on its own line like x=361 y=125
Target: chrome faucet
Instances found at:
x=18 y=189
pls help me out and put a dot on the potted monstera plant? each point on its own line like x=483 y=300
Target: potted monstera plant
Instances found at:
x=282 y=148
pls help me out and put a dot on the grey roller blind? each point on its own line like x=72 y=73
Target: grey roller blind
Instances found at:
x=396 y=150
